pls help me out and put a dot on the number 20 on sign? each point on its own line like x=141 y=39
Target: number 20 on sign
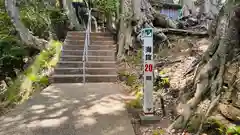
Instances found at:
x=148 y=71
x=148 y=67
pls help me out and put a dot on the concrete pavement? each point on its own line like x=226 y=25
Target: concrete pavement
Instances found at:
x=70 y=109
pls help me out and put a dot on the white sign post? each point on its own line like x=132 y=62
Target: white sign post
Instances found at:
x=148 y=71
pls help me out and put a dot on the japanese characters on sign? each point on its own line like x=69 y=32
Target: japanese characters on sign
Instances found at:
x=148 y=70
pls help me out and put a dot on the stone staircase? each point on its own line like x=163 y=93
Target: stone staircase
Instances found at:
x=101 y=65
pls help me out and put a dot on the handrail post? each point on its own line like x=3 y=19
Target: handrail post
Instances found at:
x=86 y=44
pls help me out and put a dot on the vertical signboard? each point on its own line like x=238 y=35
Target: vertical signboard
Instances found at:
x=148 y=71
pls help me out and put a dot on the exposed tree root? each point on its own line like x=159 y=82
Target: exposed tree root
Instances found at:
x=210 y=108
x=210 y=71
x=139 y=14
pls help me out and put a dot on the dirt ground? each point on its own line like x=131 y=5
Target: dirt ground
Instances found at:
x=175 y=62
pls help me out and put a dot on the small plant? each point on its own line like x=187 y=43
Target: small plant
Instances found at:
x=235 y=130
x=135 y=59
x=136 y=103
x=161 y=81
x=158 y=132
x=214 y=127
x=128 y=78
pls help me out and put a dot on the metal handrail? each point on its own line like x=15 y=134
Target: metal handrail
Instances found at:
x=86 y=44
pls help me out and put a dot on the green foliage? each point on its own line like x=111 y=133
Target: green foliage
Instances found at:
x=194 y=123
x=108 y=6
x=33 y=78
x=158 y=132
x=12 y=55
x=40 y=17
x=233 y=130
x=57 y=16
x=6 y=28
x=136 y=103
x=129 y=78
x=214 y=127
x=36 y=20
x=162 y=81
x=135 y=59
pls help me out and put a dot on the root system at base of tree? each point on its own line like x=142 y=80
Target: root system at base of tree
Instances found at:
x=136 y=15
x=209 y=76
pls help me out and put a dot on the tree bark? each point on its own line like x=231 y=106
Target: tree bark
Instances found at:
x=125 y=31
x=25 y=35
x=70 y=11
x=209 y=75
x=109 y=23
x=136 y=15
x=60 y=2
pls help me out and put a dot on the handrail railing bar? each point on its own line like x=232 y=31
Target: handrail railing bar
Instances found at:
x=86 y=44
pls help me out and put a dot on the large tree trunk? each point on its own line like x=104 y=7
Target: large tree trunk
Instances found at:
x=209 y=79
x=136 y=15
x=125 y=30
x=70 y=11
x=25 y=35
x=60 y=3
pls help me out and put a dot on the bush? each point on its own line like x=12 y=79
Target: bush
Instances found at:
x=33 y=78
x=136 y=103
x=12 y=56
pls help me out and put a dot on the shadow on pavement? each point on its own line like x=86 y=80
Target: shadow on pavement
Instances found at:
x=70 y=109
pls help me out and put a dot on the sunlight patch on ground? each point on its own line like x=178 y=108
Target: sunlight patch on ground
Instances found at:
x=36 y=107
x=103 y=106
x=51 y=94
x=58 y=113
x=53 y=91
x=12 y=119
x=114 y=131
x=38 y=111
x=57 y=105
x=47 y=122
x=90 y=97
x=79 y=84
x=85 y=121
x=76 y=101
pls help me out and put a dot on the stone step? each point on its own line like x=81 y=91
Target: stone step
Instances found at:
x=90 y=47
x=78 y=78
x=90 y=64
x=79 y=33
x=90 y=52
x=91 y=71
x=92 y=37
x=90 y=58
x=95 y=42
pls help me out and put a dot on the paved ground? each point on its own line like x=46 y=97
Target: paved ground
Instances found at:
x=70 y=109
